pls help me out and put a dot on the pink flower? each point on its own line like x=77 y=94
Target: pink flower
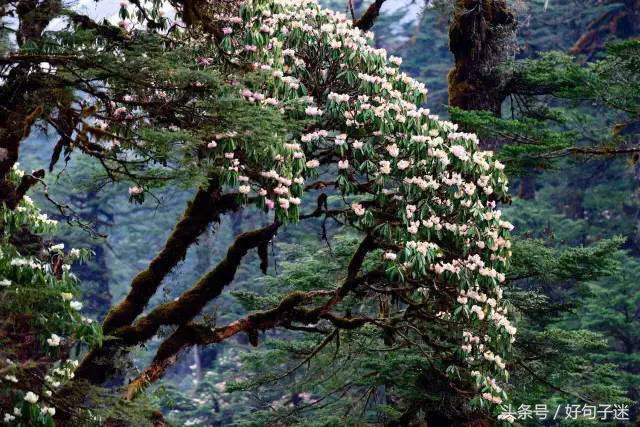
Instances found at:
x=358 y=209
x=227 y=30
x=205 y=61
x=390 y=256
x=283 y=203
x=269 y=203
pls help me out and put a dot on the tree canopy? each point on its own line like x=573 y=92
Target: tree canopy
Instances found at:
x=286 y=119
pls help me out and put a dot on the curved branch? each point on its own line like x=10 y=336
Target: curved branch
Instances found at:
x=284 y=314
x=99 y=363
x=367 y=20
x=206 y=207
x=196 y=334
x=210 y=286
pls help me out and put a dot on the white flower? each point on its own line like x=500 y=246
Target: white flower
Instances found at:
x=54 y=341
x=76 y=305
x=313 y=163
x=393 y=150
x=507 y=417
x=283 y=203
x=5 y=282
x=476 y=309
x=58 y=247
x=31 y=397
x=134 y=191
x=343 y=164
x=385 y=167
x=8 y=418
x=244 y=189
x=47 y=410
x=212 y=144
x=459 y=152
x=403 y=164
x=313 y=111
x=395 y=60
x=11 y=378
x=66 y=296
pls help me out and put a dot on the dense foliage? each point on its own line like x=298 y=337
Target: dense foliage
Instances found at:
x=391 y=287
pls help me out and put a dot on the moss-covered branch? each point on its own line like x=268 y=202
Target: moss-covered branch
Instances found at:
x=98 y=364
x=288 y=311
x=206 y=207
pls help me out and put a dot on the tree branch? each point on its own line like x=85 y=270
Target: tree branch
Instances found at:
x=206 y=207
x=210 y=286
x=98 y=364
x=284 y=314
x=367 y=20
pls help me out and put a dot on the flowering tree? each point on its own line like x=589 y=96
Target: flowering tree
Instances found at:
x=38 y=306
x=285 y=104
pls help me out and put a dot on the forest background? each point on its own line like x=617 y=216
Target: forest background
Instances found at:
x=573 y=170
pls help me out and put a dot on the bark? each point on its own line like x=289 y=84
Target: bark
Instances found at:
x=206 y=207
x=209 y=287
x=527 y=190
x=34 y=16
x=15 y=125
x=366 y=21
x=284 y=314
x=99 y=364
x=288 y=310
x=481 y=38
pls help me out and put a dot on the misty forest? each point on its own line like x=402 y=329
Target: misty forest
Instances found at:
x=320 y=213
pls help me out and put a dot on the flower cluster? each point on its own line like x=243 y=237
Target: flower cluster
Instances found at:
x=423 y=186
x=32 y=285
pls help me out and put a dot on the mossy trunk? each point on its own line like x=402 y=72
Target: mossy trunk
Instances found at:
x=482 y=39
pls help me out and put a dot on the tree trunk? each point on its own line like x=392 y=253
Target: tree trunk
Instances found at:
x=482 y=38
